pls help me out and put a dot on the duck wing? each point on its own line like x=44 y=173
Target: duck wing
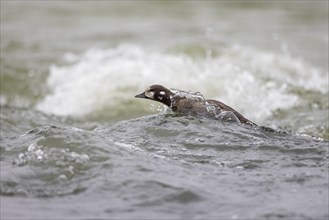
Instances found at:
x=225 y=107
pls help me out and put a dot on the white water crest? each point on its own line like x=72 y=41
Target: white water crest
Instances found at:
x=255 y=83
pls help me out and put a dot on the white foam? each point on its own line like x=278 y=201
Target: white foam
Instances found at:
x=253 y=82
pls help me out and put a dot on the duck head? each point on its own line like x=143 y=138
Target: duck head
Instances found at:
x=157 y=93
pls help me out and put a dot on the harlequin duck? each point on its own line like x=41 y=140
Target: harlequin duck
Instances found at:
x=191 y=103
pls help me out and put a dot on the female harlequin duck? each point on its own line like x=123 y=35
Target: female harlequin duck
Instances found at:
x=191 y=103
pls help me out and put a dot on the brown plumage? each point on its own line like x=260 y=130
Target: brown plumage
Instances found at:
x=185 y=105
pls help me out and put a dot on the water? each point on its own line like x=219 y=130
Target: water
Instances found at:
x=76 y=144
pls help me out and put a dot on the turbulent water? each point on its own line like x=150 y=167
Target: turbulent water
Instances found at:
x=76 y=144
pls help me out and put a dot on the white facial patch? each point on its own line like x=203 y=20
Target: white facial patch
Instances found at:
x=161 y=94
x=149 y=94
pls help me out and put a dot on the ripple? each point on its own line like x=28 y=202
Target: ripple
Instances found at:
x=184 y=197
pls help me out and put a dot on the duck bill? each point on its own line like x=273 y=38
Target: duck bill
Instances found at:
x=142 y=95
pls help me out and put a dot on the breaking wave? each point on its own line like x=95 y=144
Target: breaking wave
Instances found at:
x=253 y=82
